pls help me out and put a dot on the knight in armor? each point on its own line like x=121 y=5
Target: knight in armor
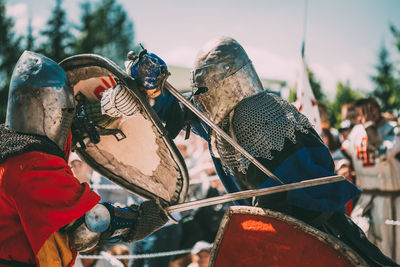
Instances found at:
x=228 y=90
x=373 y=147
x=47 y=216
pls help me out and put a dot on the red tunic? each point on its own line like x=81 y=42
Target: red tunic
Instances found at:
x=38 y=196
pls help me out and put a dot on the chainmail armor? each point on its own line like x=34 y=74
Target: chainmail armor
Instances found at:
x=260 y=123
x=13 y=143
x=150 y=219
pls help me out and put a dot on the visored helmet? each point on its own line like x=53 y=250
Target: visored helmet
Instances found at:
x=223 y=75
x=41 y=99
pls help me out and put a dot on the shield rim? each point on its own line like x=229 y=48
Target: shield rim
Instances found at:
x=348 y=253
x=82 y=60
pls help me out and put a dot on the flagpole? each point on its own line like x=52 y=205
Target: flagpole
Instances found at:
x=303 y=44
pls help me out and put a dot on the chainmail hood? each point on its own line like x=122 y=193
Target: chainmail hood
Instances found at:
x=13 y=143
x=260 y=123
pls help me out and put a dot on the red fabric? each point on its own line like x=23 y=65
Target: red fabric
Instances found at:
x=38 y=196
x=259 y=241
x=349 y=207
x=68 y=144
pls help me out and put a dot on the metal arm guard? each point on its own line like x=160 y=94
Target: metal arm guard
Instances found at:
x=105 y=222
x=102 y=223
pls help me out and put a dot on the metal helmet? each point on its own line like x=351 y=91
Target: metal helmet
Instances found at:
x=41 y=99
x=223 y=75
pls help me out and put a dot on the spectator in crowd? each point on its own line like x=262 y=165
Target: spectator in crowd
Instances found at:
x=349 y=112
x=120 y=250
x=164 y=240
x=80 y=169
x=374 y=148
x=389 y=116
x=329 y=135
x=344 y=130
x=329 y=140
x=106 y=259
x=108 y=191
x=343 y=164
x=200 y=254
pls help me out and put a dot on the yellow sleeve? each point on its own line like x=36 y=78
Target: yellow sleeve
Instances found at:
x=55 y=252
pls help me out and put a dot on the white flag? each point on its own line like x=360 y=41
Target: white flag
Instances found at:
x=305 y=101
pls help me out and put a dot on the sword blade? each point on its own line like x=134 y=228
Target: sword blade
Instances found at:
x=216 y=128
x=252 y=193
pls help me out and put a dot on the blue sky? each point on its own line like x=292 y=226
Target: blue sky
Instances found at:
x=343 y=36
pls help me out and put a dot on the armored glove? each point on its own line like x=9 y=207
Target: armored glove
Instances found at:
x=150 y=71
x=106 y=222
x=118 y=101
x=151 y=217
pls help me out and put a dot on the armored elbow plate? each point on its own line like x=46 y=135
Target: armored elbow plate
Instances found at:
x=83 y=239
x=98 y=219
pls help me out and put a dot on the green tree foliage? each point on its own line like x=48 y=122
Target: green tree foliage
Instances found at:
x=106 y=30
x=9 y=53
x=344 y=94
x=58 y=35
x=387 y=87
x=86 y=43
x=292 y=94
x=316 y=87
x=396 y=34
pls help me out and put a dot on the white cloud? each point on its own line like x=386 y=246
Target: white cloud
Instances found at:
x=38 y=23
x=326 y=76
x=180 y=56
x=271 y=65
x=345 y=71
x=19 y=12
x=358 y=77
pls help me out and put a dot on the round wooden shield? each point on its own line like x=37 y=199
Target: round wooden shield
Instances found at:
x=134 y=152
x=251 y=236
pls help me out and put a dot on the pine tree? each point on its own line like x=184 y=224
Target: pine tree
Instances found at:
x=86 y=42
x=105 y=30
x=57 y=45
x=30 y=40
x=387 y=88
x=9 y=53
x=396 y=34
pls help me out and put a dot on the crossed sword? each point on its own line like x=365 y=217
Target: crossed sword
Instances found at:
x=247 y=193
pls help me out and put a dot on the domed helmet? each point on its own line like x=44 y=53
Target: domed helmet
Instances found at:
x=223 y=75
x=41 y=99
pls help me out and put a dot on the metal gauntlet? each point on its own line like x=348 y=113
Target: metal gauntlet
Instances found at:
x=151 y=218
x=105 y=222
x=100 y=224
